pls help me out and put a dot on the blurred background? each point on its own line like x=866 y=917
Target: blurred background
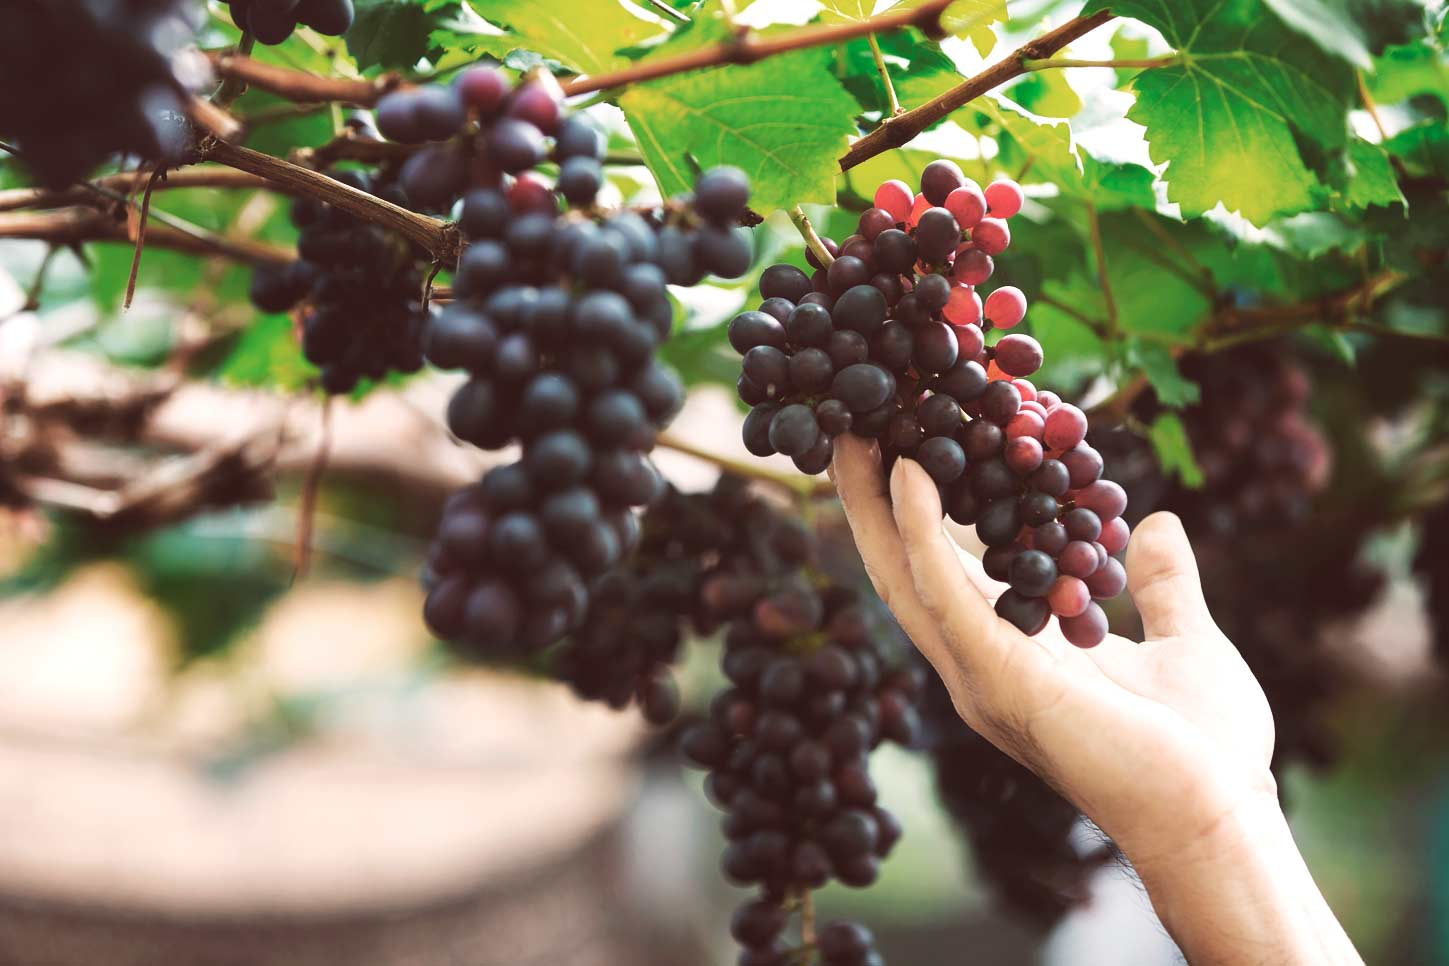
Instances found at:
x=226 y=735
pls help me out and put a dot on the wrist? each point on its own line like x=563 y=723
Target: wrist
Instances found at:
x=1239 y=891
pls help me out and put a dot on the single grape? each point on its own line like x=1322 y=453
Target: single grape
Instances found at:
x=721 y=193
x=794 y=430
x=999 y=402
x=968 y=204
x=1026 y=423
x=861 y=308
x=972 y=266
x=1068 y=597
x=895 y=251
x=982 y=440
x=1114 y=535
x=750 y=329
x=1028 y=614
x=846 y=348
x=1087 y=629
x=991 y=236
x=1106 y=498
x=784 y=281
x=769 y=369
x=1084 y=465
x=943 y=458
x=937 y=235
x=1077 y=559
x=1005 y=307
x=482 y=89
x=1050 y=538
x=1023 y=455
x=1066 y=426
x=1018 y=355
x=1032 y=573
x=1082 y=524
x=1003 y=198
x=933 y=291
x=833 y=416
x=892 y=345
x=1051 y=477
x=939 y=415
x=1038 y=508
x=970 y=340
x=756 y=429
x=998 y=522
x=811 y=371
x=873 y=221
x=896 y=198
x=847 y=271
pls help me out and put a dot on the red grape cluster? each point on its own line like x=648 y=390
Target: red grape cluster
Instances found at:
x=890 y=342
x=360 y=284
x=787 y=743
x=113 y=88
x=272 y=21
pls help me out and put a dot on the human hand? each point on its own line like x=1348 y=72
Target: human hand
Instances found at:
x=1164 y=744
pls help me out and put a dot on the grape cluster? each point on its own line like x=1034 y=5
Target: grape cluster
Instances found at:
x=363 y=316
x=1261 y=457
x=890 y=342
x=787 y=743
x=117 y=90
x=272 y=21
x=556 y=319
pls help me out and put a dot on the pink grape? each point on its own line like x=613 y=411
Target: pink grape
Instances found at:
x=1108 y=581
x=482 y=89
x=919 y=208
x=1078 y=559
x=1069 y=596
x=1025 y=423
x=969 y=340
x=1066 y=426
x=1087 y=629
x=1019 y=355
x=1104 y=497
x=1003 y=198
x=1114 y=535
x=991 y=235
x=1083 y=463
x=1030 y=405
x=972 y=265
x=1023 y=454
x=1027 y=389
x=1048 y=399
x=874 y=221
x=968 y=204
x=963 y=307
x=897 y=198
x=1102 y=555
x=531 y=192
x=1006 y=306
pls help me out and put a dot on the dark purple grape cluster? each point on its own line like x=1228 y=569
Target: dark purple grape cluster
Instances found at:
x=556 y=320
x=114 y=88
x=362 y=290
x=272 y=21
x=787 y=743
x=1262 y=459
x=890 y=342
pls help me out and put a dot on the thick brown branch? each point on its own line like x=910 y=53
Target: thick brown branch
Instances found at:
x=297 y=85
x=746 y=48
x=16 y=199
x=74 y=226
x=898 y=130
x=440 y=238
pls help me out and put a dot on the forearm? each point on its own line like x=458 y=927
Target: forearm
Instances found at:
x=1243 y=895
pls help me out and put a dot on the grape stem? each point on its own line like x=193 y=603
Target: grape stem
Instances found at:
x=797 y=484
x=141 y=220
x=812 y=240
x=900 y=129
x=114 y=186
x=807 y=917
x=1048 y=63
x=893 y=103
x=233 y=87
x=1369 y=105
x=676 y=15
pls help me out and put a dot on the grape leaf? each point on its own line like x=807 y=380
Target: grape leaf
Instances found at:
x=1048 y=93
x=267 y=354
x=388 y=34
x=783 y=121
x=1169 y=440
x=586 y=35
x=1326 y=24
x=1372 y=180
x=1074 y=351
x=1424 y=148
x=1161 y=370
x=1227 y=118
x=1314 y=233
x=1403 y=71
x=926 y=73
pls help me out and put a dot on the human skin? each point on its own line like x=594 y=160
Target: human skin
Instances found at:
x=1164 y=744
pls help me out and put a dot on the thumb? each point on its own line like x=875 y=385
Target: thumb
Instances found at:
x=1163 y=579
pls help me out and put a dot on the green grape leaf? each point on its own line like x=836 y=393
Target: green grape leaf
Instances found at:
x=1127 y=44
x=919 y=69
x=1313 y=234
x=1169 y=441
x=1339 y=345
x=1043 y=141
x=1073 y=349
x=267 y=354
x=1371 y=179
x=1327 y=25
x=1406 y=70
x=1228 y=117
x=1161 y=370
x=1047 y=93
x=389 y=34
x=1424 y=148
x=783 y=121
x=585 y=35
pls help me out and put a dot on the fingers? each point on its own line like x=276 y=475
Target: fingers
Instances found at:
x=862 y=488
x=1163 y=580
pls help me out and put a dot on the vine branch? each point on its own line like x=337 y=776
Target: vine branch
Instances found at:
x=75 y=226
x=893 y=103
x=440 y=238
x=899 y=130
x=299 y=85
x=1049 y=63
x=16 y=199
